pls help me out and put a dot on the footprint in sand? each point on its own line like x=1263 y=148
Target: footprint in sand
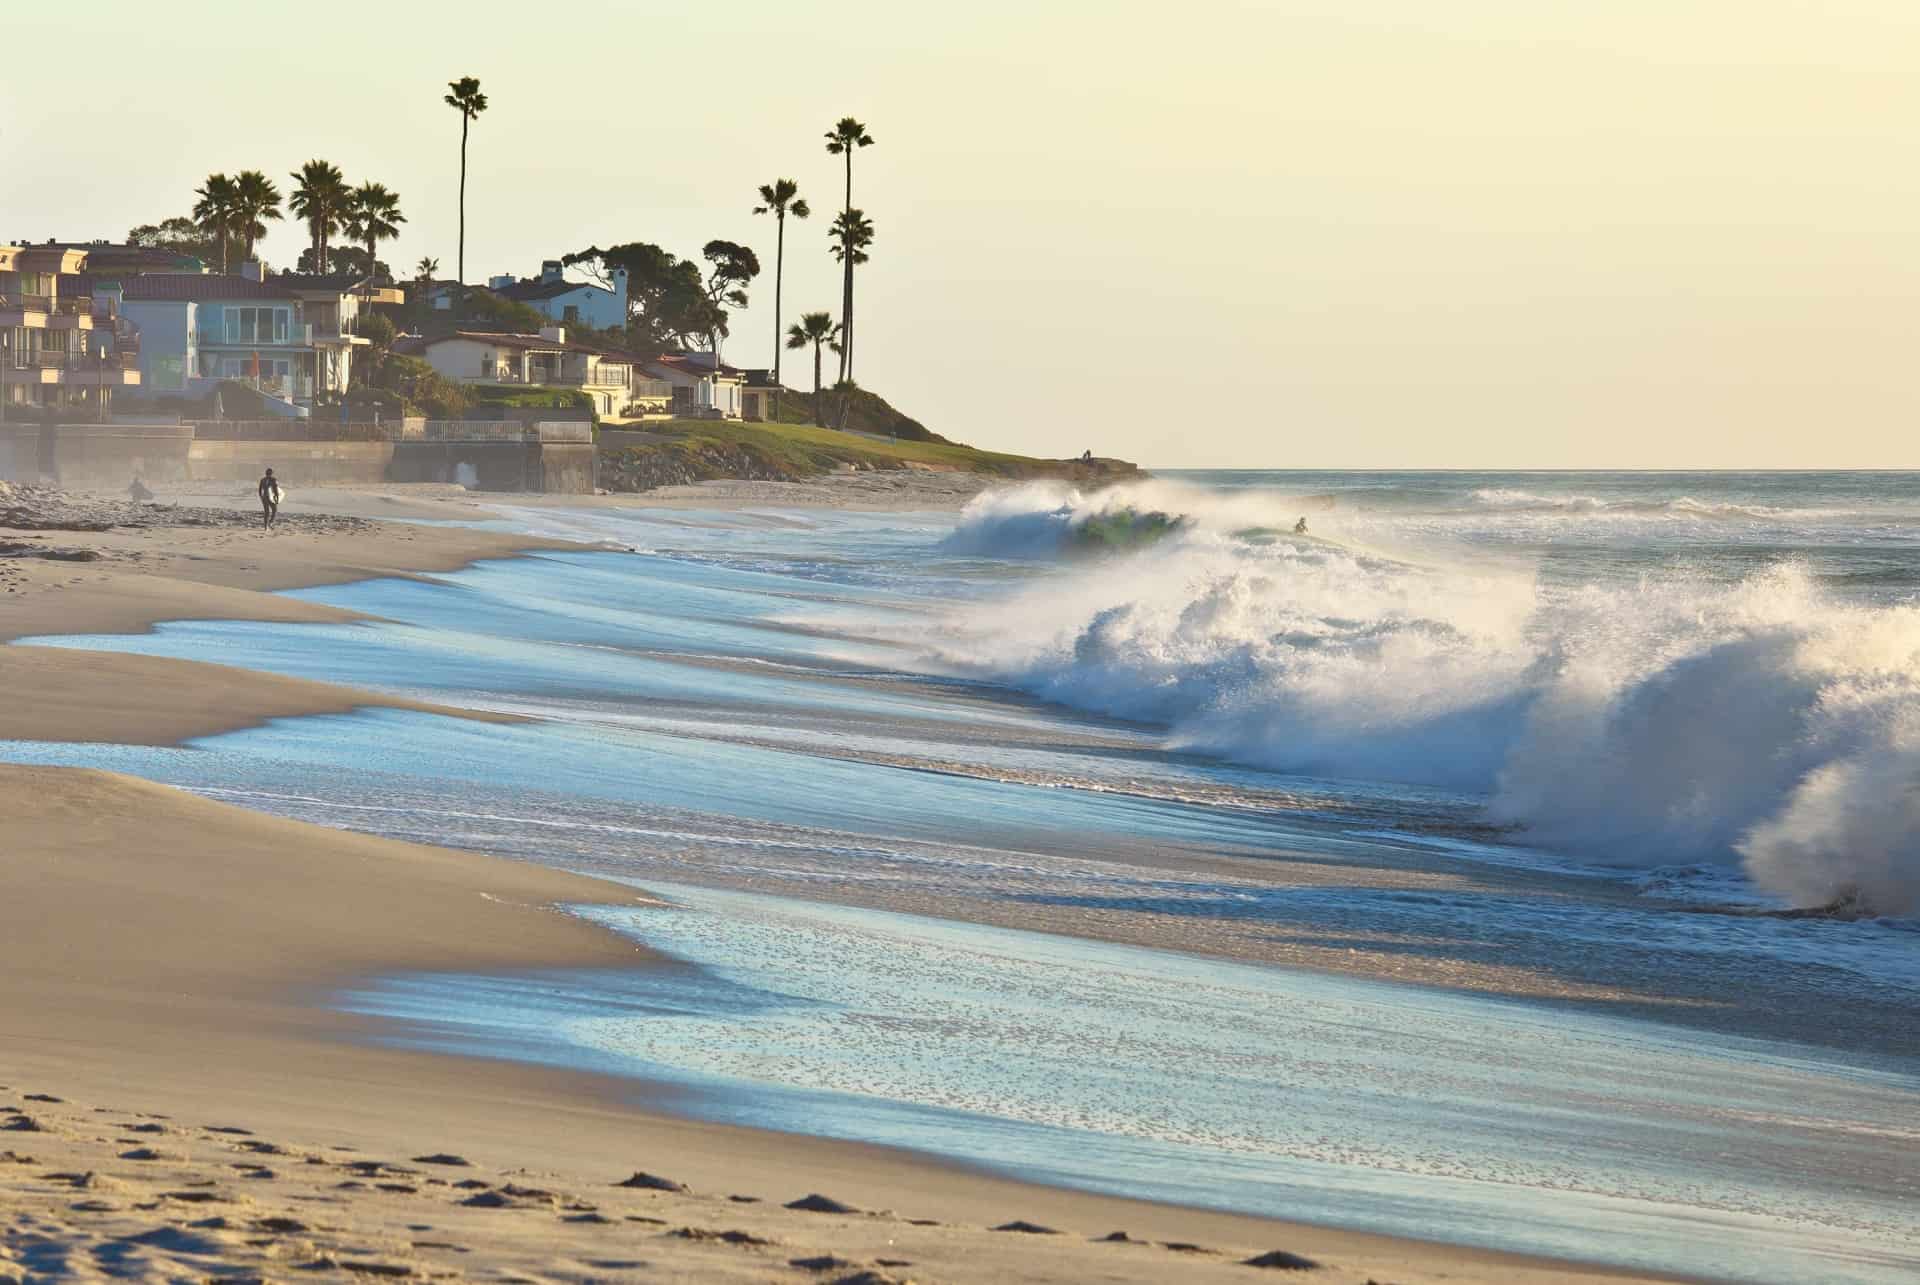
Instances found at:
x=1031 y=1229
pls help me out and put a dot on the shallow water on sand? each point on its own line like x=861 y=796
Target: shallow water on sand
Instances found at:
x=876 y=850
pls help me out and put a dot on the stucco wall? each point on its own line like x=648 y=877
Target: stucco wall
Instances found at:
x=294 y=463
x=109 y=456
x=167 y=352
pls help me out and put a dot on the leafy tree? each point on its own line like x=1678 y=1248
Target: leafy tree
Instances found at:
x=667 y=302
x=256 y=199
x=343 y=260
x=498 y=313
x=422 y=389
x=181 y=236
x=851 y=235
x=214 y=212
x=846 y=137
x=816 y=328
x=376 y=330
x=780 y=198
x=323 y=200
x=374 y=216
x=733 y=267
x=464 y=96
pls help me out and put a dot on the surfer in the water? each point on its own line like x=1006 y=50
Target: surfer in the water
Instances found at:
x=1300 y=527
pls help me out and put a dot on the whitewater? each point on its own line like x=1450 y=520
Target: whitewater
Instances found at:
x=1519 y=860
x=1643 y=676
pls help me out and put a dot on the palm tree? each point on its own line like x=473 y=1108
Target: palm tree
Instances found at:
x=814 y=328
x=424 y=272
x=373 y=217
x=464 y=96
x=214 y=211
x=323 y=200
x=843 y=139
x=257 y=199
x=780 y=198
x=852 y=234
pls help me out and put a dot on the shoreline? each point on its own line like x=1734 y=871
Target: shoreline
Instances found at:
x=273 y=1053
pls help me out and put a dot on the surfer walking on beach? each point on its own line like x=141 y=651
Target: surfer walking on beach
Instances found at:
x=269 y=499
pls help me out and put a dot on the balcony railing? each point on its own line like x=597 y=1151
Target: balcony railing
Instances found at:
x=297 y=335
x=47 y=360
x=598 y=378
x=70 y=306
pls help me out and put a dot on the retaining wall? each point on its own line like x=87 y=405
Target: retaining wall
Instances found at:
x=493 y=456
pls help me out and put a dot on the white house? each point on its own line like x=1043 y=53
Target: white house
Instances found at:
x=704 y=387
x=568 y=302
x=548 y=359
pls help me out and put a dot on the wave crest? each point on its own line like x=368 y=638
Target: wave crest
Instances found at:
x=1668 y=721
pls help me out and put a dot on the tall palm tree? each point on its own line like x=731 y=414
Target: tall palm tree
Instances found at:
x=780 y=198
x=852 y=234
x=464 y=96
x=814 y=328
x=322 y=198
x=847 y=136
x=257 y=199
x=214 y=211
x=374 y=216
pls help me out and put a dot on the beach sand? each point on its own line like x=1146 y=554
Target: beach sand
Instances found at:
x=169 y=962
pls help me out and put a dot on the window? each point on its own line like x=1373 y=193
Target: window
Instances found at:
x=571 y=312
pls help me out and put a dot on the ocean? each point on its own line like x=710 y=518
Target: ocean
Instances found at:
x=1523 y=860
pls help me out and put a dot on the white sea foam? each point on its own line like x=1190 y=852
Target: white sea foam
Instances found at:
x=1672 y=719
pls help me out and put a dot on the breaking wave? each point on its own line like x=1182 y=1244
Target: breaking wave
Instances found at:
x=1671 y=719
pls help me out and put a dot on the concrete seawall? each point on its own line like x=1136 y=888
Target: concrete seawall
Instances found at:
x=486 y=456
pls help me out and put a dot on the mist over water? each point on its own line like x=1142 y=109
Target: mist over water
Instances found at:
x=1642 y=677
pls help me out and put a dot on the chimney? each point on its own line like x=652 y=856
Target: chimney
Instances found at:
x=555 y=334
x=549 y=270
x=250 y=269
x=500 y=282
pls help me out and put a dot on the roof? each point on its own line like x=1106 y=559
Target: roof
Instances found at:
x=760 y=379
x=531 y=342
x=339 y=282
x=526 y=291
x=192 y=287
x=698 y=364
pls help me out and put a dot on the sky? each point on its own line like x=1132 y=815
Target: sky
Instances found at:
x=1299 y=233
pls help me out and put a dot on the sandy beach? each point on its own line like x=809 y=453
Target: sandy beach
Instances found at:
x=171 y=958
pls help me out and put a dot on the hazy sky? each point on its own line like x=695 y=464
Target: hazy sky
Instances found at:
x=1372 y=233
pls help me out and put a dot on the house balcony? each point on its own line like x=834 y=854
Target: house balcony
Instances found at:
x=45 y=312
x=75 y=370
x=543 y=377
x=298 y=335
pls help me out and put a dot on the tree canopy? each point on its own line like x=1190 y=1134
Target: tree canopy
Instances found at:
x=668 y=305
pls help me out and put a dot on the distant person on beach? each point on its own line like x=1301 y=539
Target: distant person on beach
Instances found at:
x=138 y=490
x=269 y=499
x=1300 y=527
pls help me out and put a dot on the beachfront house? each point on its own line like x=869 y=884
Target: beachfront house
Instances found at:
x=702 y=386
x=548 y=359
x=197 y=330
x=568 y=302
x=758 y=392
x=62 y=352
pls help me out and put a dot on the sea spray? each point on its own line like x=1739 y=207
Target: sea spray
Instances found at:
x=1676 y=717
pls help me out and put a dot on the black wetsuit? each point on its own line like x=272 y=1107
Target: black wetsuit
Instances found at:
x=269 y=500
